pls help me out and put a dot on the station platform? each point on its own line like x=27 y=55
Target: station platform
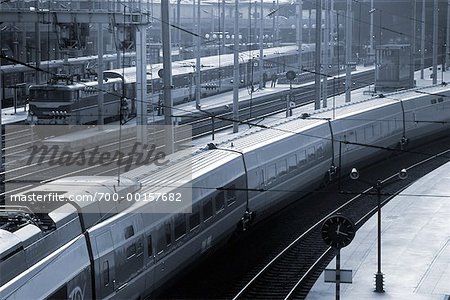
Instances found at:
x=10 y=117
x=415 y=247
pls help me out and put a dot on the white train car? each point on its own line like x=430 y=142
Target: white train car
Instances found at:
x=216 y=73
x=132 y=253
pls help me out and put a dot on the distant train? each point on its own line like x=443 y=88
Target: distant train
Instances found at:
x=128 y=253
x=217 y=73
x=65 y=101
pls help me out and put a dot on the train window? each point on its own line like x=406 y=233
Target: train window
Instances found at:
x=282 y=167
x=161 y=242
x=131 y=250
x=433 y=101
x=231 y=194
x=292 y=163
x=368 y=132
x=207 y=210
x=129 y=231
x=301 y=158
x=271 y=173
x=194 y=217
x=61 y=293
x=180 y=226
x=311 y=153
x=320 y=151
x=168 y=232
x=220 y=201
x=106 y=273
x=440 y=99
x=149 y=245
x=261 y=178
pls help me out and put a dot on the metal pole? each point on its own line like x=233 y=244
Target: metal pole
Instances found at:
x=178 y=30
x=435 y=40
x=334 y=98
x=38 y=51
x=299 y=33
x=332 y=32
x=318 y=51
x=379 y=276
x=422 y=42
x=100 y=120
x=338 y=274
x=288 y=99
x=198 y=87
x=223 y=27
x=261 y=51
x=371 y=31
x=447 y=44
x=167 y=75
x=273 y=22
x=1 y=100
x=277 y=26
x=141 y=85
x=413 y=44
x=326 y=41
x=236 y=80
x=348 y=52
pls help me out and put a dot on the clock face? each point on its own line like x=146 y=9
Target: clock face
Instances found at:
x=338 y=231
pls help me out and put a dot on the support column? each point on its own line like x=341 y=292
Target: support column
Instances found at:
x=326 y=62
x=261 y=51
x=300 y=34
x=435 y=40
x=277 y=25
x=317 y=54
x=447 y=44
x=413 y=44
x=167 y=76
x=141 y=85
x=178 y=30
x=198 y=86
x=371 y=52
x=348 y=51
x=38 y=52
x=100 y=116
x=422 y=42
x=236 y=80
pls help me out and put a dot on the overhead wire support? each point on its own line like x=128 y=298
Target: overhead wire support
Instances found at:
x=348 y=51
x=167 y=76
x=317 y=55
x=236 y=80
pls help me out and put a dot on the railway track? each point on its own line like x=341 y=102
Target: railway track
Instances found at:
x=282 y=257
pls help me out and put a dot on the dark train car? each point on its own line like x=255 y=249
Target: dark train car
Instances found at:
x=393 y=67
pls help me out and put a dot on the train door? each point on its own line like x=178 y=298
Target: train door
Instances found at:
x=129 y=254
x=150 y=249
x=104 y=264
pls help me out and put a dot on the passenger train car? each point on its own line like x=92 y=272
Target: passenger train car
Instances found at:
x=217 y=72
x=128 y=254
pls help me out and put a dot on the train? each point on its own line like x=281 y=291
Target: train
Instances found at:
x=65 y=101
x=72 y=101
x=128 y=252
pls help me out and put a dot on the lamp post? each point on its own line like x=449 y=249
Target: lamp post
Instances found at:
x=354 y=175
